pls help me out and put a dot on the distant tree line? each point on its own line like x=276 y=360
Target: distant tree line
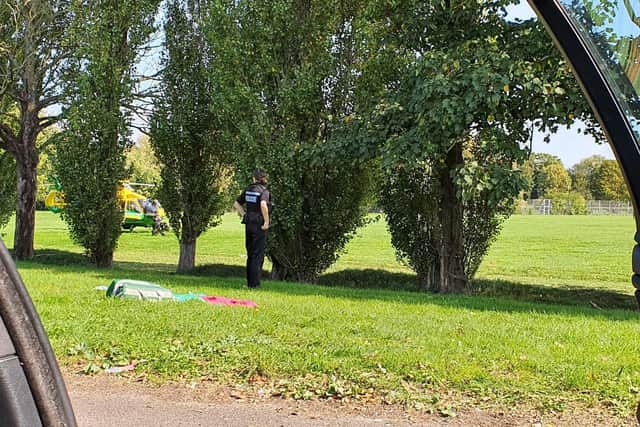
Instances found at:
x=593 y=178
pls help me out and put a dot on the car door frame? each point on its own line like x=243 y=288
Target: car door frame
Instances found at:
x=605 y=105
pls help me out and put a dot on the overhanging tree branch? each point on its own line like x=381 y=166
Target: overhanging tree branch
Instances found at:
x=46 y=122
x=49 y=101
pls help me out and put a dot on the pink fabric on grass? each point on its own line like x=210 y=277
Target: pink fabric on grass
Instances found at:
x=228 y=301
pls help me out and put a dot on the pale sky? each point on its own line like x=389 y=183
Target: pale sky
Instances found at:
x=571 y=146
x=567 y=144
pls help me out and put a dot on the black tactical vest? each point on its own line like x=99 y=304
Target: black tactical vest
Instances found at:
x=252 y=196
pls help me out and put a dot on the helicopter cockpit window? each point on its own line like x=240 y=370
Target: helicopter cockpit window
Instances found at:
x=611 y=30
x=134 y=206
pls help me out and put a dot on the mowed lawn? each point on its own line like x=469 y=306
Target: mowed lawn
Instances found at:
x=552 y=326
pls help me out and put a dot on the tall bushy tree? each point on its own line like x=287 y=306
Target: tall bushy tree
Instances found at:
x=296 y=62
x=454 y=124
x=108 y=36
x=187 y=131
x=607 y=182
x=33 y=53
x=546 y=174
x=581 y=174
x=556 y=179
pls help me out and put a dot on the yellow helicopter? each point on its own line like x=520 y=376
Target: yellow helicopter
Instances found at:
x=138 y=210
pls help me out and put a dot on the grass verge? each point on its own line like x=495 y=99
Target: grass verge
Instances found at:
x=548 y=336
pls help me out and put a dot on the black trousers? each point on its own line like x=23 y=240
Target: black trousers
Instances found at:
x=255 y=240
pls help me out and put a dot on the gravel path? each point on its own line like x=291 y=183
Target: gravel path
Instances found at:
x=109 y=402
x=103 y=401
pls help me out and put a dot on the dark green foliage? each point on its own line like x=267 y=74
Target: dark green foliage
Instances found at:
x=413 y=200
x=295 y=63
x=7 y=187
x=405 y=197
x=315 y=218
x=187 y=130
x=455 y=121
x=90 y=159
x=7 y=170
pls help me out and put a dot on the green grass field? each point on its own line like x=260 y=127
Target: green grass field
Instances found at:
x=553 y=325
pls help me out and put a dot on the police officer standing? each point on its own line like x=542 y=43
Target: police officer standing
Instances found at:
x=254 y=206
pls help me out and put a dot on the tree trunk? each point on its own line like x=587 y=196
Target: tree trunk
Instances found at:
x=430 y=280
x=452 y=274
x=102 y=249
x=26 y=188
x=278 y=271
x=103 y=258
x=187 y=255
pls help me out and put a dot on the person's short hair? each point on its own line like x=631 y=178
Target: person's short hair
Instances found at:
x=261 y=176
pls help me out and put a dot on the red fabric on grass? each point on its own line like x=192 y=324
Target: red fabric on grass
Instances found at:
x=228 y=301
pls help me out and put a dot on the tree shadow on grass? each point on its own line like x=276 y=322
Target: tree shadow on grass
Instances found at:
x=500 y=299
x=598 y=298
x=371 y=279
x=495 y=295
x=78 y=263
x=222 y=270
x=56 y=257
